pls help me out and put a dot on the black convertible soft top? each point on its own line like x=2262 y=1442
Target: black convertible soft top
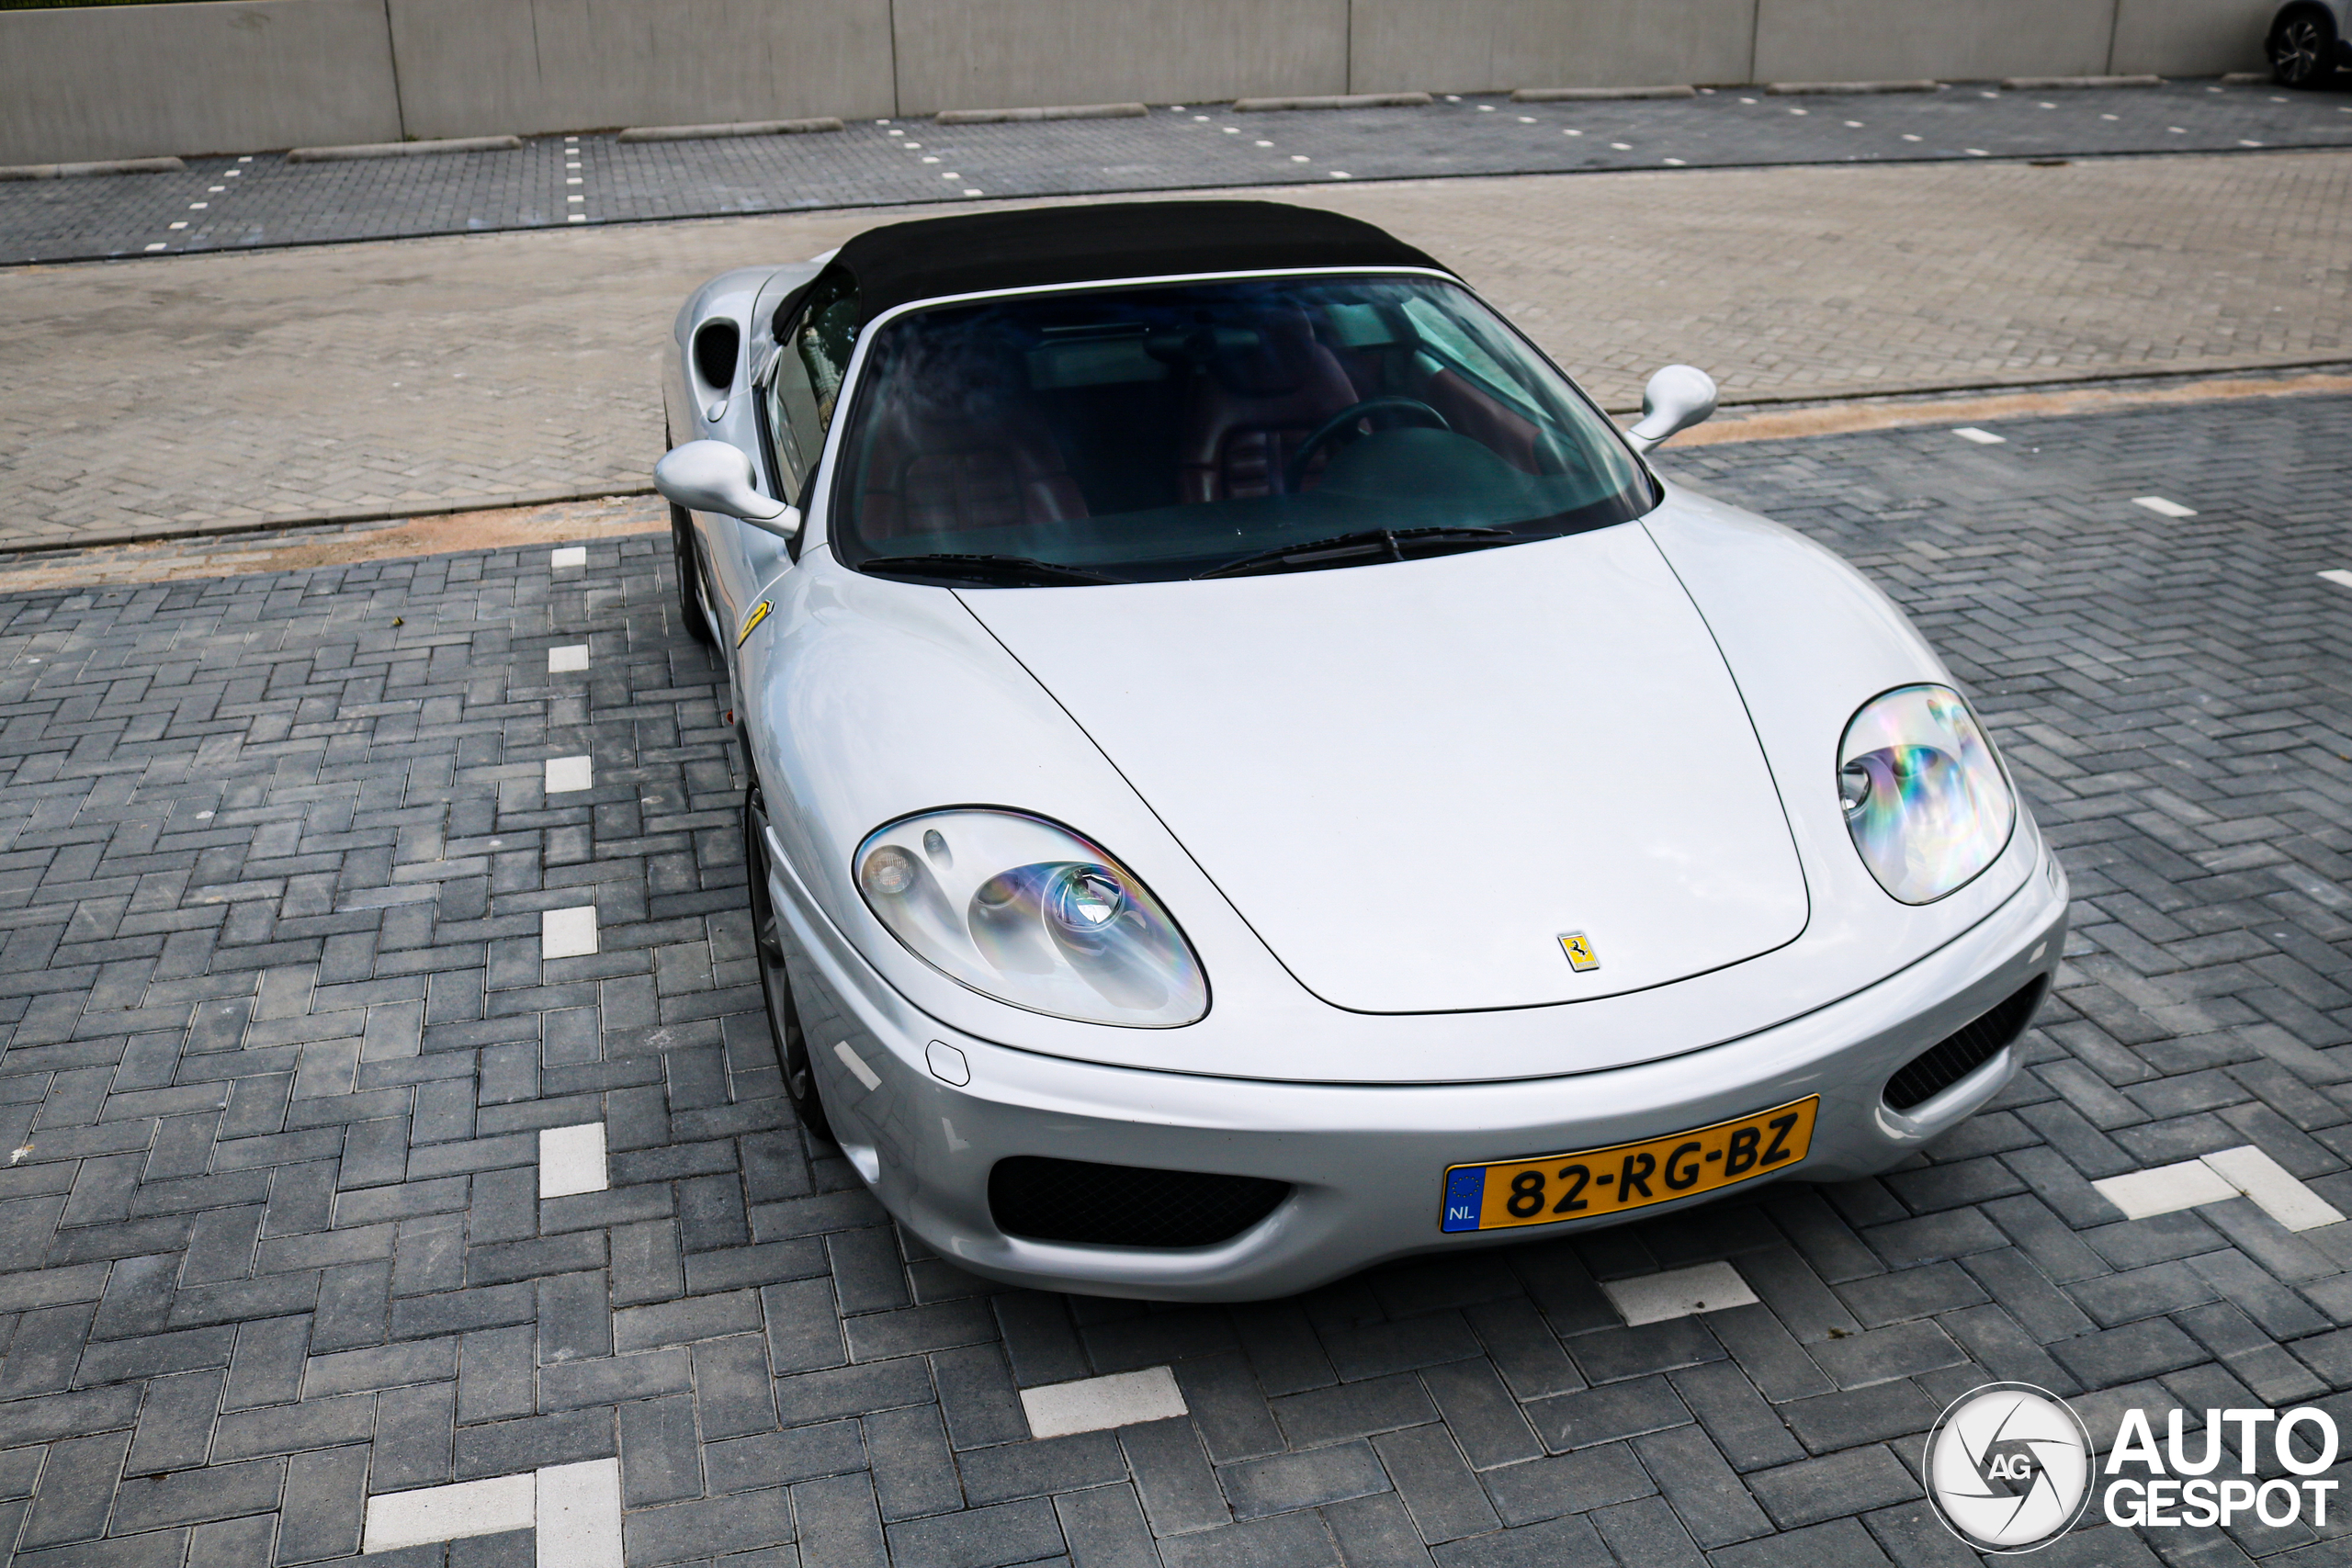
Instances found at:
x=935 y=256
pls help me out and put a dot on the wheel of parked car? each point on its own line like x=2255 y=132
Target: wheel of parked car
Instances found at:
x=2302 y=46
x=775 y=983
x=692 y=605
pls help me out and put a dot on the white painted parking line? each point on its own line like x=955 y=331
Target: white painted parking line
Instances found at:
x=2274 y=1188
x=1678 y=1292
x=2340 y=578
x=579 y=1515
x=576 y=1509
x=1097 y=1404
x=569 y=773
x=569 y=555
x=504 y=1503
x=2161 y=507
x=2166 y=1189
x=1982 y=437
x=568 y=934
x=573 y=656
x=572 y=1160
x=2244 y=1171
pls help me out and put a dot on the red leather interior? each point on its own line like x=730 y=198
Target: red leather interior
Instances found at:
x=927 y=474
x=1246 y=414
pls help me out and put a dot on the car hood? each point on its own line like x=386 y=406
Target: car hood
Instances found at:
x=1412 y=779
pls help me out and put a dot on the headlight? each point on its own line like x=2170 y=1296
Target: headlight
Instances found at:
x=1924 y=797
x=1032 y=914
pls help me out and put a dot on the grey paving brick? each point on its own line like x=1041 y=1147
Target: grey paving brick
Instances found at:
x=1566 y=1483
x=1286 y=1538
x=1281 y=1483
x=1173 y=1477
x=1442 y=1496
x=978 y=1538
x=1554 y=1543
x=914 y=1473
x=1103 y=1527
x=686 y=1532
x=1009 y=1471
x=836 y=1522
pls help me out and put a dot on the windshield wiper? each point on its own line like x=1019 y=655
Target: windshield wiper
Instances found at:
x=1387 y=543
x=1008 y=570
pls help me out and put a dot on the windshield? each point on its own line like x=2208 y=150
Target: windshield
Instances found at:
x=1147 y=434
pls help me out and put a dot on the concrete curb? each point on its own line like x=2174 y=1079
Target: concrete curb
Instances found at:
x=1337 y=101
x=107 y=166
x=1059 y=111
x=261 y=522
x=405 y=149
x=742 y=127
x=1797 y=89
x=1586 y=95
x=2052 y=83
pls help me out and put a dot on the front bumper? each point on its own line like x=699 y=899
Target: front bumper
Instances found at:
x=1366 y=1164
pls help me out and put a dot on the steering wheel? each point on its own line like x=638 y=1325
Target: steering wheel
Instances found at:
x=1295 y=470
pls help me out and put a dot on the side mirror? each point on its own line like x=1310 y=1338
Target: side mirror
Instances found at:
x=712 y=475
x=1676 y=398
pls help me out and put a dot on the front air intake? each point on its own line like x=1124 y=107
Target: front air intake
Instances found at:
x=1125 y=1205
x=1965 y=1049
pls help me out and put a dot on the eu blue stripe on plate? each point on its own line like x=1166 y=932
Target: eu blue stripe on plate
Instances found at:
x=1464 y=1190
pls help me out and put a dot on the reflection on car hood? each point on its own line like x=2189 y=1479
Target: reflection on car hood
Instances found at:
x=1413 y=780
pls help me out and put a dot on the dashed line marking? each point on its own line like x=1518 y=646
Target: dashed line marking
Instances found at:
x=1677 y=1292
x=2244 y=1171
x=565 y=774
x=568 y=554
x=570 y=658
x=2340 y=578
x=568 y=934
x=1098 y=1404
x=1982 y=437
x=572 y=1160
x=2162 y=508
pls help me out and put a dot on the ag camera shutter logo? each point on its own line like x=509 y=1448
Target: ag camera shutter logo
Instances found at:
x=2008 y=1467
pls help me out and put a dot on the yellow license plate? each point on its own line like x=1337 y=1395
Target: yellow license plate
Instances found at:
x=1628 y=1176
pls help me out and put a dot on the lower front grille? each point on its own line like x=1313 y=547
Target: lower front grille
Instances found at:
x=1964 y=1050
x=1125 y=1205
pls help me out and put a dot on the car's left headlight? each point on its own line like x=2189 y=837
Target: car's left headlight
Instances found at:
x=1924 y=796
x=1029 y=913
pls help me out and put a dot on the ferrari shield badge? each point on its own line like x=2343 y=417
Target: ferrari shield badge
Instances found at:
x=1579 y=951
x=751 y=621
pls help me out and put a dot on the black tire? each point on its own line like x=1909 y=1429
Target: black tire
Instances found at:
x=691 y=594
x=2303 y=47
x=775 y=982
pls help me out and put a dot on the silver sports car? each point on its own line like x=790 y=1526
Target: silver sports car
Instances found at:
x=1255 y=776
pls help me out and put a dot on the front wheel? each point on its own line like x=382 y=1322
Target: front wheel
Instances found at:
x=693 y=604
x=775 y=982
x=2303 y=48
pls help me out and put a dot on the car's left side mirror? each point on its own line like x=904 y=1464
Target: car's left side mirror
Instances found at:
x=712 y=475
x=1676 y=398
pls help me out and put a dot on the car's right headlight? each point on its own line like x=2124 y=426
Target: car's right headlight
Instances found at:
x=1924 y=796
x=1029 y=913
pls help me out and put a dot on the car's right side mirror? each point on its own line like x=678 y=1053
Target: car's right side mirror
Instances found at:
x=1676 y=398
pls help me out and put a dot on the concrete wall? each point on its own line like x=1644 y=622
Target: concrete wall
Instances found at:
x=2191 y=37
x=1879 y=40
x=1008 y=53
x=488 y=67
x=239 y=75
x=230 y=76
x=1482 y=45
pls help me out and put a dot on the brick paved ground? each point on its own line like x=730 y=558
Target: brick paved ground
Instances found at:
x=145 y=398
x=278 y=1040
x=231 y=202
